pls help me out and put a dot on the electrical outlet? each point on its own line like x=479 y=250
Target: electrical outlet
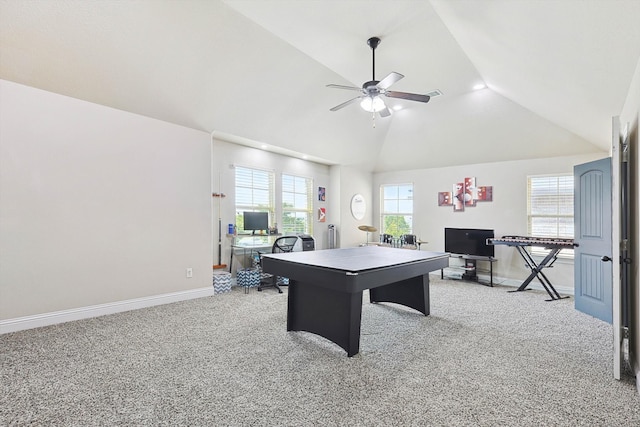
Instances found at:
x=189 y=273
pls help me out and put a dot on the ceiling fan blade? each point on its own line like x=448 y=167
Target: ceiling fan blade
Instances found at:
x=344 y=104
x=391 y=78
x=408 y=96
x=359 y=89
x=385 y=112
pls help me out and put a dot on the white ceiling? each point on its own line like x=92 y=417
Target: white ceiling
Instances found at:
x=256 y=71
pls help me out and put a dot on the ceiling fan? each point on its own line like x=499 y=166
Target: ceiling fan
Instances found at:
x=371 y=99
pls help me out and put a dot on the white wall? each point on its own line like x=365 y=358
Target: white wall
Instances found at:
x=97 y=205
x=631 y=114
x=226 y=155
x=506 y=214
x=353 y=181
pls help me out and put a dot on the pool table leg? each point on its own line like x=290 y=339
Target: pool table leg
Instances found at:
x=331 y=314
x=412 y=293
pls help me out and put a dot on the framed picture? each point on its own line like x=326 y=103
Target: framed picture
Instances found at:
x=458 y=197
x=470 y=191
x=444 y=198
x=322 y=215
x=485 y=194
x=322 y=194
x=465 y=193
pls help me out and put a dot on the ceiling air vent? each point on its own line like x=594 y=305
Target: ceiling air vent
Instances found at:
x=434 y=93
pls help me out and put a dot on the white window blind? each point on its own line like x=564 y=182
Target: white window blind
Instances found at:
x=254 y=192
x=397 y=209
x=550 y=208
x=297 y=205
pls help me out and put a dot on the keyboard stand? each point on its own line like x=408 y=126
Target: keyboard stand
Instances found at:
x=536 y=271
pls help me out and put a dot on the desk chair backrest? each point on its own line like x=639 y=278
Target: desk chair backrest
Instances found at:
x=281 y=244
x=386 y=238
x=409 y=239
x=284 y=244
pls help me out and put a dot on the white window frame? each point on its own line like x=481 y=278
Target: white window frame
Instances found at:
x=550 y=193
x=302 y=188
x=257 y=185
x=396 y=206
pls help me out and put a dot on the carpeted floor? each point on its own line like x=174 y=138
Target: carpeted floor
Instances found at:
x=484 y=357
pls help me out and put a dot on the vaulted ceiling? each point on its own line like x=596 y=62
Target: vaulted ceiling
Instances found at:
x=256 y=71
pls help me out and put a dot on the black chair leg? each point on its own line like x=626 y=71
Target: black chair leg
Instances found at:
x=274 y=284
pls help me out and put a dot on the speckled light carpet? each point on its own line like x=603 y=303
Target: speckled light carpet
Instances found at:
x=484 y=357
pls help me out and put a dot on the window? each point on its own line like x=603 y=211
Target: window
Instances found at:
x=550 y=208
x=397 y=209
x=254 y=192
x=297 y=205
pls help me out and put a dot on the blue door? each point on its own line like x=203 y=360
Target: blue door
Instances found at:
x=592 y=228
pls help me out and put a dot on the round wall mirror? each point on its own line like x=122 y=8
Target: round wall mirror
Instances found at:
x=358 y=206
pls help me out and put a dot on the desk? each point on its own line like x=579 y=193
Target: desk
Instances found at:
x=252 y=243
x=244 y=249
x=420 y=242
x=325 y=287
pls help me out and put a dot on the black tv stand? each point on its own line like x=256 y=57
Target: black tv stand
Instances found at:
x=469 y=271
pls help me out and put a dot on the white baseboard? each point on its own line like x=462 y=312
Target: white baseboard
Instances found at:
x=635 y=368
x=562 y=290
x=515 y=283
x=56 y=317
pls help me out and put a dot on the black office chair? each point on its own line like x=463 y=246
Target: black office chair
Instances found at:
x=281 y=244
x=386 y=239
x=408 y=241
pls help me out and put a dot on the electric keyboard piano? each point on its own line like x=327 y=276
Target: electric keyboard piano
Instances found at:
x=553 y=245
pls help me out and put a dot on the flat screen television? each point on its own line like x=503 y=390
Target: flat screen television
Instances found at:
x=468 y=241
x=255 y=221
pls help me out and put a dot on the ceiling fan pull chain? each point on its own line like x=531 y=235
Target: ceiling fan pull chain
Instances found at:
x=373 y=119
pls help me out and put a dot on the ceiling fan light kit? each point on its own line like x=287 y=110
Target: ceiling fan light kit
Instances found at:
x=372 y=91
x=372 y=104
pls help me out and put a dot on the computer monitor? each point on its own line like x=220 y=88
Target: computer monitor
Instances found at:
x=254 y=221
